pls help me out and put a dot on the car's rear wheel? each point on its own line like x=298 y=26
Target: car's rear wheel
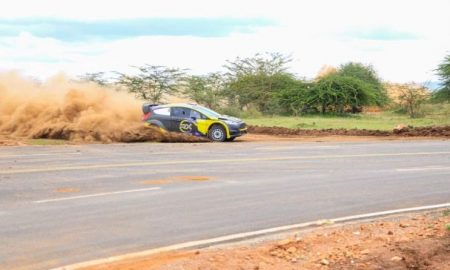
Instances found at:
x=217 y=133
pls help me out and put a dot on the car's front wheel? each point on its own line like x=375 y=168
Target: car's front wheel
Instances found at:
x=217 y=133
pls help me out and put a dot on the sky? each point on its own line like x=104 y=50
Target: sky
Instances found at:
x=403 y=40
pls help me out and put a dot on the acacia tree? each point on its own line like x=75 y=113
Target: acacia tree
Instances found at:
x=368 y=75
x=152 y=82
x=267 y=63
x=336 y=93
x=206 y=90
x=411 y=98
x=255 y=80
x=295 y=99
x=443 y=71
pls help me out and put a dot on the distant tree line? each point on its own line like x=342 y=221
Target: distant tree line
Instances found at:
x=264 y=84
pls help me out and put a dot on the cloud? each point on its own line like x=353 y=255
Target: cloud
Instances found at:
x=72 y=30
x=381 y=34
x=404 y=39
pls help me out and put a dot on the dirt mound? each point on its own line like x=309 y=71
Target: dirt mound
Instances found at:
x=63 y=109
x=406 y=132
x=423 y=131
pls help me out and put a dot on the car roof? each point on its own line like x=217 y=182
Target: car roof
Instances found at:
x=185 y=105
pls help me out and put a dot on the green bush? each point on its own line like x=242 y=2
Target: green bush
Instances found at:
x=236 y=111
x=336 y=92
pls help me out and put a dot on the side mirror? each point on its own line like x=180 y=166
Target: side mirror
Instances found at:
x=194 y=118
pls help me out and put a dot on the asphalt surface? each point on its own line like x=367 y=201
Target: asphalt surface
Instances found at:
x=66 y=204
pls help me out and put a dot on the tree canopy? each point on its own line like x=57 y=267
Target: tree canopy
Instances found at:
x=152 y=82
x=368 y=75
x=443 y=71
x=411 y=97
x=263 y=83
x=206 y=90
x=256 y=80
x=337 y=93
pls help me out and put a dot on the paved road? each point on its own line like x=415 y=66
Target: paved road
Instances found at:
x=66 y=204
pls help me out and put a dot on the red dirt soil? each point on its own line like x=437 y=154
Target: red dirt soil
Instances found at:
x=415 y=241
x=442 y=131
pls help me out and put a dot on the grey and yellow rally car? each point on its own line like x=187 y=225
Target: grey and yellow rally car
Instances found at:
x=193 y=119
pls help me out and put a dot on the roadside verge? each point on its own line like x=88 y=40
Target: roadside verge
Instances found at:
x=139 y=257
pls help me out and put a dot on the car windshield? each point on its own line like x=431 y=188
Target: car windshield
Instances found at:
x=208 y=112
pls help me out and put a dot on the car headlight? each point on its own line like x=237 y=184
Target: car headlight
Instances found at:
x=232 y=124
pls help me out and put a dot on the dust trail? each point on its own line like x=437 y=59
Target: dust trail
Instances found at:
x=63 y=109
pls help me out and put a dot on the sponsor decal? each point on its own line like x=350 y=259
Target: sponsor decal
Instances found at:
x=186 y=126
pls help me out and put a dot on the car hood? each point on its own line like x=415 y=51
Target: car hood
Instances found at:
x=230 y=118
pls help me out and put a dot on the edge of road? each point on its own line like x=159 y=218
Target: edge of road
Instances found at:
x=247 y=235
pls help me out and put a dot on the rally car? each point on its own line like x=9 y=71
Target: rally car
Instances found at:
x=193 y=119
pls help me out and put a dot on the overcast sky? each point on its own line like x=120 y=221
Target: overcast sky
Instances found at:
x=403 y=40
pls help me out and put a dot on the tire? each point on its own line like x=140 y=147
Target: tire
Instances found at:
x=217 y=133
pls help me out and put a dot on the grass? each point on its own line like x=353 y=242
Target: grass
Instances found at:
x=46 y=142
x=446 y=213
x=372 y=121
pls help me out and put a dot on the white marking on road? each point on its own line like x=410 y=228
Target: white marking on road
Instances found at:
x=209 y=161
x=418 y=169
x=97 y=195
x=41 y=154
x=302 y=147
x=242 y=236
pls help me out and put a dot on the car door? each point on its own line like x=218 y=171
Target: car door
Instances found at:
x=201 y=122
x=178 y=114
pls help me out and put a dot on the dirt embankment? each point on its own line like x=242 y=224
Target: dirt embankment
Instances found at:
x=63 y=109
x=416 y=241
x=399 y=132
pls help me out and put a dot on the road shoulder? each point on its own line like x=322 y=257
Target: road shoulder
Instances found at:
x=403 y=241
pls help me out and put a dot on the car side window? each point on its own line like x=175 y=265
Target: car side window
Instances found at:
x=181 y=112
x=162 y=111
x=196 y=115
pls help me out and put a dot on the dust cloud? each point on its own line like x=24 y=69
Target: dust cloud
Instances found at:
x=63 y=109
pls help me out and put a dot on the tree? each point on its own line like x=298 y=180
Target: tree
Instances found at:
x=152 y=82
x=206 y=90
x=411 y=97
x=96 y=77
x=255 y=80
x=367 y=74
x=443 y=71
x=336 y=93
x=294 y=98
x=268 y=64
